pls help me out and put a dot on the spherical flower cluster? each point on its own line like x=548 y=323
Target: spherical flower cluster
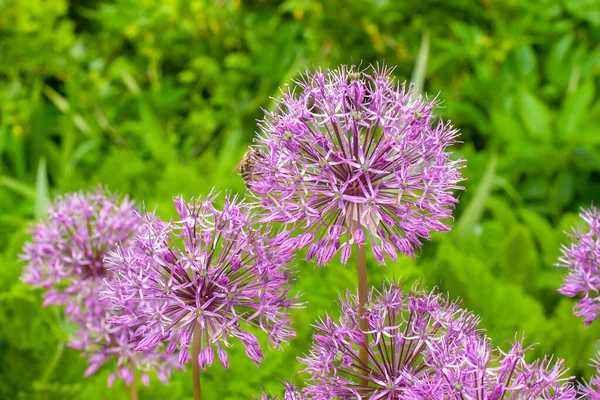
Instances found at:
x=421 y=346
x=582 y=258
x=203 y=277
x=66 y=257
x=354 y=154
x=67 y=249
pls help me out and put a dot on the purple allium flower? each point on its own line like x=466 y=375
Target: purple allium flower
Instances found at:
x=421 y=346
x=582 y=258
x=67 y=249
x=353 y=153
x=211 y=271
x=66 y=256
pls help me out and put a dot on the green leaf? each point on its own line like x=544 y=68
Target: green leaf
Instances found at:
x=575 y=108
x=475 y=208
x=564 y=188
x=557 y=65
x=59 y=101
x=535 y=115
x=543 y=233
x=41 y=190
x=520 y=261
x=420 y=70
x=17 y=186
x=526 y=61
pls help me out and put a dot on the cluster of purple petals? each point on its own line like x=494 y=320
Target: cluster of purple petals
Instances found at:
x=66 y=257
x=352 y=153
x=67 y=249
x=422 y=346
x=213 y=271
x=582 y=258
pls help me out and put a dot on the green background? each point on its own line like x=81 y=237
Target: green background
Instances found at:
x=160 y=97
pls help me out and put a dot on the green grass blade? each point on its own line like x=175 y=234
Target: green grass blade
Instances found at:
x=41 y=190
x=418 y=75
x=475 y=208
x=17 y=187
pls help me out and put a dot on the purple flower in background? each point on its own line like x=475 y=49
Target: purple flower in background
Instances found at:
x=582 y=258
x=67 y=249
x=421 y=346
x=66 y=256
x=203 y=277
x=353 y=153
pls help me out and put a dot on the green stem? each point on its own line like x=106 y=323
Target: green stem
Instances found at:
x=362 y=301
x=197 y=337
x=60 y=347
x=132 y=388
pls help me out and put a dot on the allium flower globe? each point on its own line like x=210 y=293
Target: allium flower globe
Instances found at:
x=421 y=346
x=582 y=258
x=213 y=272
x=67 y=249
x=353 y=153
x=66 y=257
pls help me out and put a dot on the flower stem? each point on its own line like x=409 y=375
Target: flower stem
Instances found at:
x=132 y=387
x=51 y=365
x=195 y=366
x=362 y=301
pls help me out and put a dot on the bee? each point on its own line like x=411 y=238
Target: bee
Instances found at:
x=247 y=166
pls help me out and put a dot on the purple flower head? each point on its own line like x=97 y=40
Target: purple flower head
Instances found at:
x=211 y=271
x=421 y=346
x=353 y=153
x=67 y=249
x=582 y=258
x=66 y=256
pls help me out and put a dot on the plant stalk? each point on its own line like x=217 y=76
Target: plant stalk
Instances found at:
x=363 y=288
x=195 y=366
x=132 y=388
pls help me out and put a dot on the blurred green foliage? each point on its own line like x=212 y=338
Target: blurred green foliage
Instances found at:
x=160 y=97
